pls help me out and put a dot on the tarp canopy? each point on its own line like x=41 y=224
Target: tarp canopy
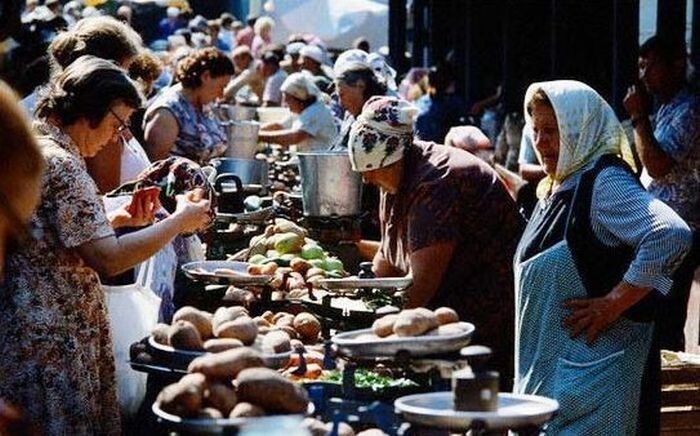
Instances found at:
x=336 y=22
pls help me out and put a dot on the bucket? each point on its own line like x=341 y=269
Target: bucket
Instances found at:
x=230 y=112
x=329 y=186
x=242 y=139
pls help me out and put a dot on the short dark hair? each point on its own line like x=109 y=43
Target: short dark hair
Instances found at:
x=668 y=49
x=190 y=69
x=88 y=88
x=365 y=74
x=104 y=37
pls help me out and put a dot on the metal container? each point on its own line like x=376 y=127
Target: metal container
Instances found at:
x=252 y=172
x=230 y=112
x=242 y=138
x=329 y=185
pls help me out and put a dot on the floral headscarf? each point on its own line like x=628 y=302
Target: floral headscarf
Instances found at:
x=588 y=128
x=381 y=133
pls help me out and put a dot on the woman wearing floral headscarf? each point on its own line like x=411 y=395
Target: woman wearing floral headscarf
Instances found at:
x=446 y=218
x=596 y=245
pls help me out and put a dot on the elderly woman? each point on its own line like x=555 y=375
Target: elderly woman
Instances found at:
x=314 y=128
x=176 y=123
x=596 y=245
x=55 y=339
x=446 y=219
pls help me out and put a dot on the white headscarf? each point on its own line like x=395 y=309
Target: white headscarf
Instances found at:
x=312 y=52
x=382 y=69
x=300 y=86
x=588 y=127
x=350 y=59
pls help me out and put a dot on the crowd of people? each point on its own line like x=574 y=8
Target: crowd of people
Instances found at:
x=576 y=277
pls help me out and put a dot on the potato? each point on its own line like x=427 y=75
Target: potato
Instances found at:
x=218 y=345
x=209 y=412
x=447 y=330
x=279 y=315
x=160 y=333
x=271 y=391
x=185 y=336
x=269 y=269
x=307 y=325
x=201 y=321
x=181 y=399
x=246 y=410
x=276 y=342
x=290 y=331
x=197 y=380
x=287 y=320
x=264 y=330
x=446 y=315
x=300 y=265
x=315 y=272
x=254 y=270
x=384 y=326
x=222 y=397
x=242 y=328
x=415 y=322
x=224 y=314
x=262 y=322
x=227 y=364
x=240 y=297
x=267 y=316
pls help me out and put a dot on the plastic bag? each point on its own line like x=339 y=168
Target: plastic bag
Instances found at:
x=133 y=312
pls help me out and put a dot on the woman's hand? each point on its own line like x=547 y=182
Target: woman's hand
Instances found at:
x=595 y=315
x=636 y=101
x=192 y=211
x=141 y=211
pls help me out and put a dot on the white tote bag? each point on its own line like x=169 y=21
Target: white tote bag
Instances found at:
x=133 y=312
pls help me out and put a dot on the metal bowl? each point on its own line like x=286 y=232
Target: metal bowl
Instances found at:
x=192 y=270
x=180 y=359
x=514 y=411
x=353 y=344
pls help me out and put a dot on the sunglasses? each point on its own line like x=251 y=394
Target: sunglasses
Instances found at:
x=123 y=125
x=24 y=232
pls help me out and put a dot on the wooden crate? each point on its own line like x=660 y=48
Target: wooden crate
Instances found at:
x=680 y=400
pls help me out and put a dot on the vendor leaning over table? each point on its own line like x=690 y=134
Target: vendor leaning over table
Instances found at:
x=446 y=219
x=596 y=245
x=56 y=359
x=314 y=128
x=177 y=122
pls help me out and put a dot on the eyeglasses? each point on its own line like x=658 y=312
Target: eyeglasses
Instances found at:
x=24 y=232
x=123 y=125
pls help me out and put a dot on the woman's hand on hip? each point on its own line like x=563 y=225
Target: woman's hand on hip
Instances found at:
x=595 y=315
x=192 y=211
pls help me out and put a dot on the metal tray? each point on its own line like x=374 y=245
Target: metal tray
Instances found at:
x=349 y=345
x=436 y=409
x=220 y=279
x=180 y=359
x=376 y=283
x=218 y=425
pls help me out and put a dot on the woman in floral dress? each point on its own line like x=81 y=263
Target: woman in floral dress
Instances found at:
x=56 y=358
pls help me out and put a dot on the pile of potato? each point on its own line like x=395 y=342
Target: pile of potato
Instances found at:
x=232 y=327
x=418 y=322
x=232 y=384
x=285 y=252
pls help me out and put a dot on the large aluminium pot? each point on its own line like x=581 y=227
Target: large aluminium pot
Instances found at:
x=252 y=172
x=242 y=139
x=329 y=185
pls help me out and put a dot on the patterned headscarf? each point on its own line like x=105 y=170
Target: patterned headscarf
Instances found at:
x=588 y=128
x=381 y=133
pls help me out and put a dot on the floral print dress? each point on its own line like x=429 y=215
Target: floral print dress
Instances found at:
x=56 y=359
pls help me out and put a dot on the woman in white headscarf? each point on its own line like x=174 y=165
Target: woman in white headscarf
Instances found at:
x=596 y=252
x=314 y=128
